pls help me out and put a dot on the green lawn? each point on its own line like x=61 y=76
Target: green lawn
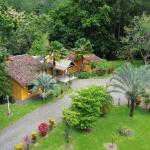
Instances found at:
x=102 y=133
x=118 y=63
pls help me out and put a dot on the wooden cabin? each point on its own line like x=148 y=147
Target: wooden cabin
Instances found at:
x=23 y=69
x=88 y=59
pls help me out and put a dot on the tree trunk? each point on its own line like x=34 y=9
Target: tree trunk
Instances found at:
x=82 y=65
x=118 y=30
x=132 y=106
x=67 y=134
x=54 y=64
x=45 y=65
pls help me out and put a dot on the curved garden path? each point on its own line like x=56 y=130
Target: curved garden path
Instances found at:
x=17 y=131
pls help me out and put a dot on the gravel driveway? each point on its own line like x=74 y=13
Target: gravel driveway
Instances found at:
x=18 y=130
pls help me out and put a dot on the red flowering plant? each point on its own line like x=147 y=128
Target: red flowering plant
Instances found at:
x=110 y=70
x=43 y=128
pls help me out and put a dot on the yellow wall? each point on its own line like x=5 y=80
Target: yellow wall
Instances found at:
x=16 y=90
x=50 y=71
x=21 y=93
x=87 y=66
x=76 y=68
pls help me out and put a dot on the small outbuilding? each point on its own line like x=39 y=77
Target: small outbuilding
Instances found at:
x=88 y=60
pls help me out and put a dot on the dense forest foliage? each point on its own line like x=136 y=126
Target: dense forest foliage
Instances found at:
x=100 y=21
x=30 y=6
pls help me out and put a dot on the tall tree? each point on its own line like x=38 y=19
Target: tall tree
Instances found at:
x=57 y=52
x=5 y=86
x=137 y=38
x=33 y=6
x=89 y=19
x=100 y=21
x=9 y=20
x=131 y=82
x=40 y=48
x=20 y=40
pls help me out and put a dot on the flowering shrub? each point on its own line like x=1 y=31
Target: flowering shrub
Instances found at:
x=43 y=128
x=110 y=70
x=18 y=147
x=34 y=136
x=52 y=123
x=26 y=142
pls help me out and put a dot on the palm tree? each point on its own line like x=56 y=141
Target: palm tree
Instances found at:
x=132 y=82
x=82 y=47
x=45 y=83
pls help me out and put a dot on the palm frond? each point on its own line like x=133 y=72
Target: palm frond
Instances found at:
x=129 y=79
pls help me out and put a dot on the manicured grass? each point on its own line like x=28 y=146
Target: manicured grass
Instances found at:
x=20 y=110
x=102 y=133
x=118 y=63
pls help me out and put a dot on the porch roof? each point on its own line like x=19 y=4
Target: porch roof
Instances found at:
x=65 y=78
x=64 y=64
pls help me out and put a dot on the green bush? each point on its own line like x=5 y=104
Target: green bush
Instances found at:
x=102 y=66
x=84 y=75
x=87 y=105
x=106 y=104
x=125 y=132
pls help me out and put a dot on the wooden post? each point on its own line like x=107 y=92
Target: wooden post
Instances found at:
x=8 y=105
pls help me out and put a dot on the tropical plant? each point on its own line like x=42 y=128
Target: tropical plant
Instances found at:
x=82 y=47
x=86 y=107
x=45 y=83
x=131 y=81
x=57 y=52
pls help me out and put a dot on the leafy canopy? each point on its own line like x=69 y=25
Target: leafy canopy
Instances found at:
x=82 y=47
x=5 y=86
x=57 y=50
x=86 y=107
x=137 y=38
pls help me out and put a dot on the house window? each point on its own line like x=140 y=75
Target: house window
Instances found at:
x=30 y=88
